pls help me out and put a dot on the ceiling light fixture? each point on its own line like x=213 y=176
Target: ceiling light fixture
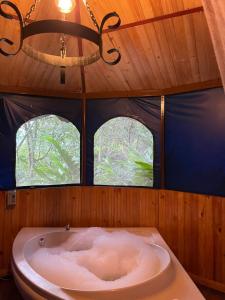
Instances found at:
x=65 y=6
x=30 y=28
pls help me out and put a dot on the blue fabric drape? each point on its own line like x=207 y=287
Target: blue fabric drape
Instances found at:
x=195 y=142
x=146 y=110
x=194 y=134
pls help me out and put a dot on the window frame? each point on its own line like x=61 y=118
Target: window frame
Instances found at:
x=153 y=137
x=49 y=185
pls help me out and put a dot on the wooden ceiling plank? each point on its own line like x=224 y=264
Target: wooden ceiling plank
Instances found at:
x=191 y=3
x=166 y=55
x=101 y=76
x=155 y=74
x=157 y=19
x=158 y=55
x=140 y=59
x=147 y=21
x=182 y=49
x=133 y=77
x=206 y=56
x=191 y=46
x=118 y=73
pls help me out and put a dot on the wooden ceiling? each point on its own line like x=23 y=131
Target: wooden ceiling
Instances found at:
x=165 y=47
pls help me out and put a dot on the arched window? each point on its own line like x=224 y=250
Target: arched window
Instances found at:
x=47 y=152
x=123 y=153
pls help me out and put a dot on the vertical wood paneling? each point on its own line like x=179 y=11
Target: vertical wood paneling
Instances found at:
x=219 y=239
x=2 y=196
x=171 y=211
x=192 y=225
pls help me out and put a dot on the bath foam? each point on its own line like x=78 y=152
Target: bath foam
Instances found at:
x=95 y=259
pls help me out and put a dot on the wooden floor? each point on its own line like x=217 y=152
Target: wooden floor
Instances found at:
x=8 y=291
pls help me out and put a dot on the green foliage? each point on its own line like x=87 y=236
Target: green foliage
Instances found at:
x=123 y=153
x=48 y=152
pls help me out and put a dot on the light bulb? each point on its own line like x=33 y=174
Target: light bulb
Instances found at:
x=65 y=6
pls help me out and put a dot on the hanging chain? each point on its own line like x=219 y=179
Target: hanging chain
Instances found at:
x=94 y=20
x=36 y=2
x=63 y=46
x=31 y=10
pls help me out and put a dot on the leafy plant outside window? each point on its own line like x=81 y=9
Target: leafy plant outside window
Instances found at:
x=47 y=152
x=123 y=153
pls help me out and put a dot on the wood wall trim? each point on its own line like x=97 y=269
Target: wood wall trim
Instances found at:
x=115 y=94
x=169 y=91
x=39 y=92
x=157 y=19
x=208 y=283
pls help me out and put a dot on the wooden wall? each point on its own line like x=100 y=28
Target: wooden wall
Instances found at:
x=193 y=225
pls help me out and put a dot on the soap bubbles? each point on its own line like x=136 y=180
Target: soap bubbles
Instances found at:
x=95 y=259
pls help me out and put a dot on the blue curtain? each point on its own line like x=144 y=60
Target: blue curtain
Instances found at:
x=195 y=142
x=146 y=110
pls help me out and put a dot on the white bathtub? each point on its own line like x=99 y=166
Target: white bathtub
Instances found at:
x=169 y=285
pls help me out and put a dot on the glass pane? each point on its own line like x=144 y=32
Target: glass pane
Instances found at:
x=47 y=152
x=123 y=153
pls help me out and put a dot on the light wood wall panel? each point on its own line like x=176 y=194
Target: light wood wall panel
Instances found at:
x=185 y=220
x=192 y=225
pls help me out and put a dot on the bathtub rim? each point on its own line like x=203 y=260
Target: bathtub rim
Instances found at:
x=176 y=286
x=43 y=292
x=31 y=277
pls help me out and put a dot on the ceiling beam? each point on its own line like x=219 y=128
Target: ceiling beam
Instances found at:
x=168 y=91
x=158 y=18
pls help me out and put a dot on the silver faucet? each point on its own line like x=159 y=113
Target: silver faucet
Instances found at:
x=42 y=242
x=67 y=227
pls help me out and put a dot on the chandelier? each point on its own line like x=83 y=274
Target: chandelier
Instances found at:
x=29 y=28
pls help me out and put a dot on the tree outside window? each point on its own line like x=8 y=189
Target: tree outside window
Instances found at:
x=47 y=152
x=123 y=153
